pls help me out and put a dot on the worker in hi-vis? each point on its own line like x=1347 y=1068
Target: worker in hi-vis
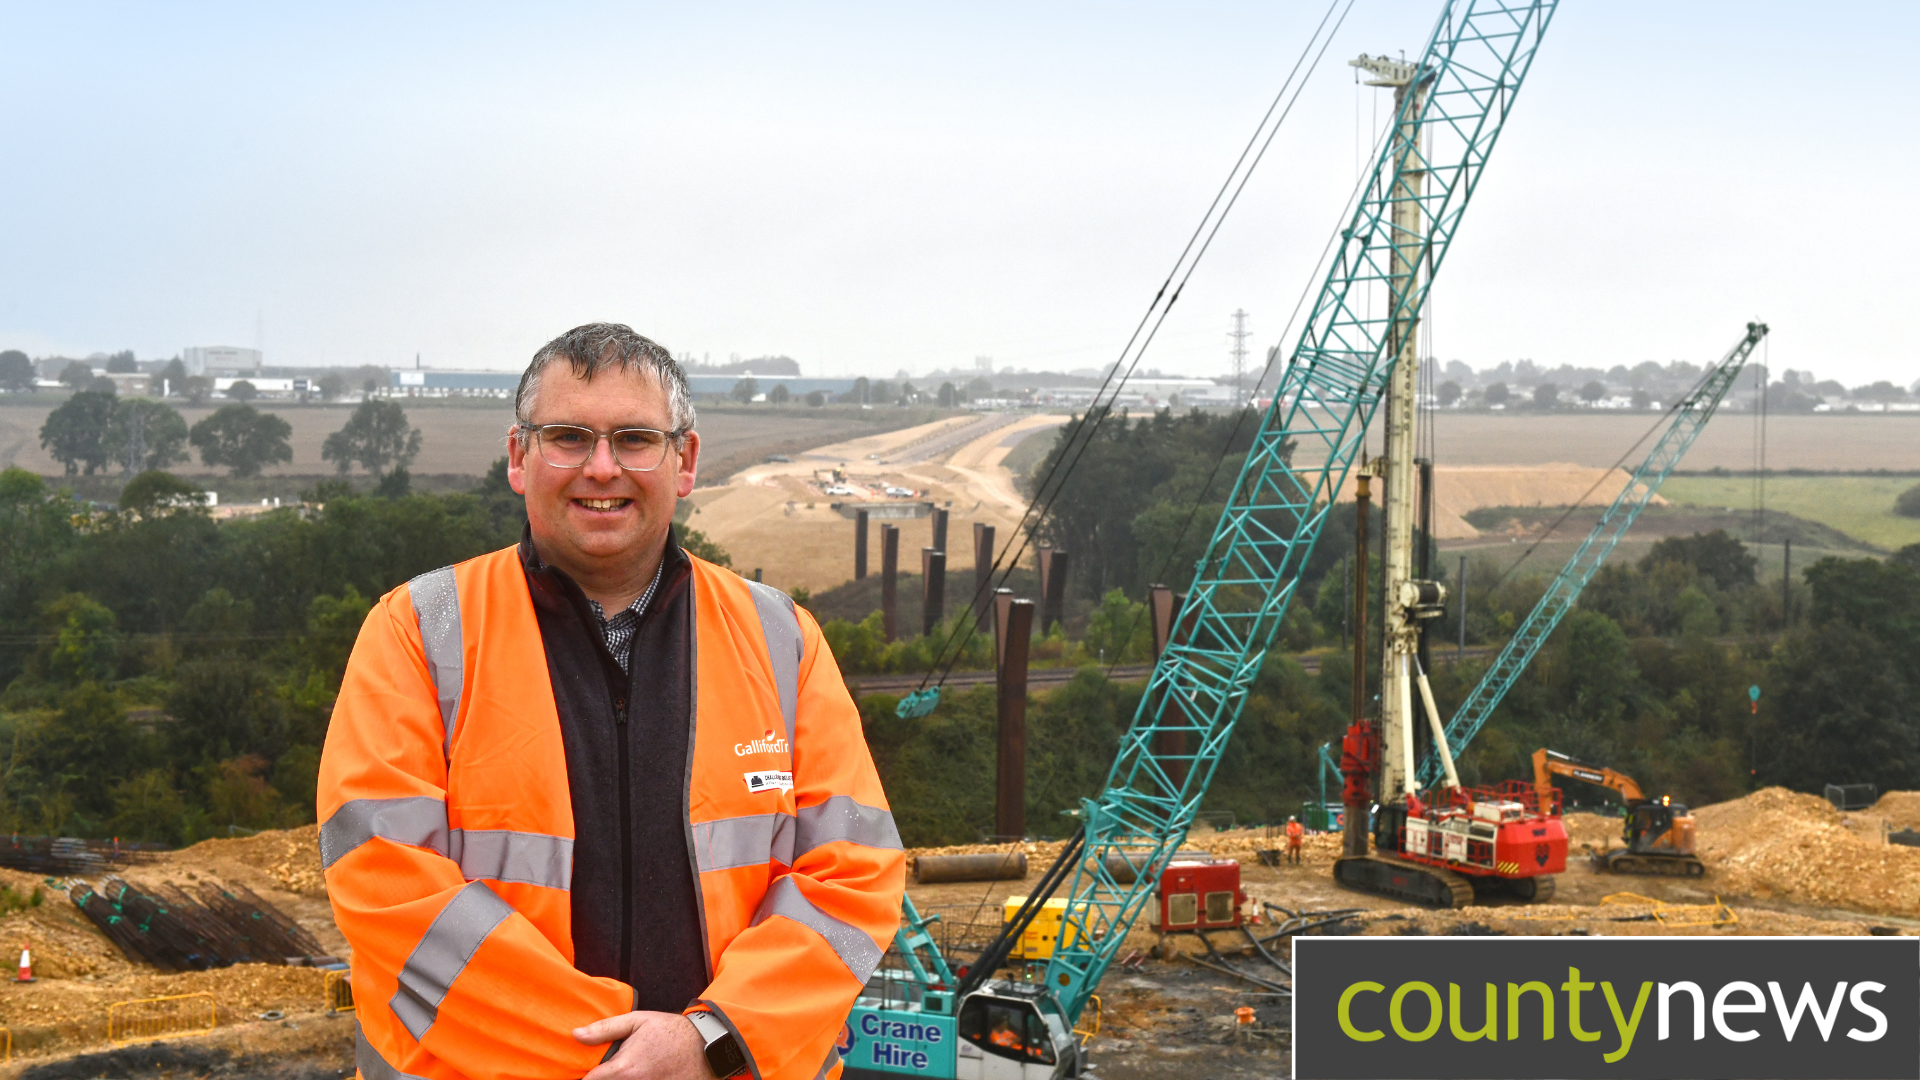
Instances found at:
x=1295 y=834
x=594 y=807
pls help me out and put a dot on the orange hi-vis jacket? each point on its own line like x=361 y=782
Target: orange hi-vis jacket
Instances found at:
x=447 y=834
x=1295 y=831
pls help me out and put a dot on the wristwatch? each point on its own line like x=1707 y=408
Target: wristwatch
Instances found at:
x=725 y=1056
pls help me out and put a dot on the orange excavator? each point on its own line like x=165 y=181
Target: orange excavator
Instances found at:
x=1658 y=832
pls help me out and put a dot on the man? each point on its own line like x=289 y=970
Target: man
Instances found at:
x=1295 y=833
x=591 y=806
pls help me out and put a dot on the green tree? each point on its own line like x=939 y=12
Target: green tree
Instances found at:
x=1449 y=393
x=224 y=706
x=122 y=363
x=16 y=371
x=76 y=432
x=1907 y=504
x=1696 y=614
x=332 y=385
x=1593 y=391
x=744 y=390
x=1715 y=555
x=333 y=622
x=1117 y=631
x=172 y=378
x=154 y=492
x=145 y=434
x=948 y=396
x=77 y=374
x=696 y=543
x=779 y=395
x=147 y=806
x=242 y=390
x=86 y=640
x=1496 y=394
x=1546 y=396
x=816 y=399
x=242 y=438
x=377 y=434
x=195 y=388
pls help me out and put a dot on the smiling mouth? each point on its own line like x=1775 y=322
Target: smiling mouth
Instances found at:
x=603 y=504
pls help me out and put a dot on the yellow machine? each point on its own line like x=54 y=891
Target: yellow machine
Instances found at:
x=1658 y=832
x=1043 y=933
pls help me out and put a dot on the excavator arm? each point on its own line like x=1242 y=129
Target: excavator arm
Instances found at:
x=1548 y=764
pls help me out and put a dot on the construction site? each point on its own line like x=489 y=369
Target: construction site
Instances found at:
x=1777 y=863
x=1152 y=696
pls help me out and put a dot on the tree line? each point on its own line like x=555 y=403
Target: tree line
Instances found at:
x=96 y=428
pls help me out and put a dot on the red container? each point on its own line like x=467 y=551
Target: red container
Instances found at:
x=1196 y=895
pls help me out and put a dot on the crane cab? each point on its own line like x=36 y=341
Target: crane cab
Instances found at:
x=1661 y=827
x=1004 y=1034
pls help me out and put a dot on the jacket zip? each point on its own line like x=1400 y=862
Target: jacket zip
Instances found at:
x=626 y=837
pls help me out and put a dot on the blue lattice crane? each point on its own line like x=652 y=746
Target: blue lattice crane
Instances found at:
x=1360 y=327
x=1689 y=417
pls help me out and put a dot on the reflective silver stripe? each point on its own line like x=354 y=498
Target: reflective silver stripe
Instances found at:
x=852 y=945
x=443 y=953
x=417 y=821
x=784 y=647
x=748 y=840
x=504 y=855
x=785 y=831
x=841 y=818
x=368 y=1060
x=833 y=1058
x=436 y=603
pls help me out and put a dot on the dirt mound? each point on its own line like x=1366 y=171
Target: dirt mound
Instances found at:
x=1598 y=831
x=1900 y=809
x=1781 y=844
x=290 y=857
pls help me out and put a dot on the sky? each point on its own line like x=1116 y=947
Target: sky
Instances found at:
x=878 y=187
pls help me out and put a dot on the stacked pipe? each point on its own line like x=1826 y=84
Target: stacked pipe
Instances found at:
x=170 y=930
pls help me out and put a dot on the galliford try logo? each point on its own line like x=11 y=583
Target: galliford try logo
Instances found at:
x=765 y=744
x=1839 y=1008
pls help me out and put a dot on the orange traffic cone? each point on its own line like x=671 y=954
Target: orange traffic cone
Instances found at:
x=26 y=966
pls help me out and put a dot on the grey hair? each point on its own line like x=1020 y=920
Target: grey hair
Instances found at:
x=597 y=347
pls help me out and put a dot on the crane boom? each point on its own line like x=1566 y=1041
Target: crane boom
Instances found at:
x=1690 y=416
x=1468 y=76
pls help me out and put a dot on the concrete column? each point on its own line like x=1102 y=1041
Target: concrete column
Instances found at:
x=982 y=574
x=889 y=579
x=1053 y=588
x=859 y=544
x=940 y=529
x=933 y=588
x=1013 y=631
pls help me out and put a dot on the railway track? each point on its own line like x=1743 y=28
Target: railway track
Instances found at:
x=1052 y=678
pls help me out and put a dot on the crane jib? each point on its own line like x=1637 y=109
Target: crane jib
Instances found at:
x=1690 y=416
x=1473 y=66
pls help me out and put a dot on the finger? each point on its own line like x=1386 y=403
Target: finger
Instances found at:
x=609 y=1029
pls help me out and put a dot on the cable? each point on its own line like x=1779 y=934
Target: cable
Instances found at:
x=1204 y=234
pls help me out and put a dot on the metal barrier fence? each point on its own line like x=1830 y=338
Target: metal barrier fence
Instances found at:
x=159 y=1018
x=339 y=992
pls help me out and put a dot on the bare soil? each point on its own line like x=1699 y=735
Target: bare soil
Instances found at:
x=1823 y=443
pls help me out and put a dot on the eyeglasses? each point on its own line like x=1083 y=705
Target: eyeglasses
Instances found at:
x=569 y=446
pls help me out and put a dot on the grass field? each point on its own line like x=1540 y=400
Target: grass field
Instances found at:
x=1859 y=506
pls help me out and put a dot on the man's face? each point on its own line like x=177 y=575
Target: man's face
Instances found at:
x=599 y=513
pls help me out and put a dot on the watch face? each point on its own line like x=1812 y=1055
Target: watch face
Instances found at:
x=725 y=1057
